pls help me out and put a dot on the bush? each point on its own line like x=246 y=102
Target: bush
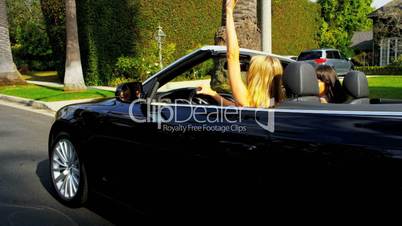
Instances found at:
x=30 y=44
x=118 y=81
x=381 y=70
x=145 y=64
x=125 y=68
x=362 y=59
x=398 y=62
x=295 y=25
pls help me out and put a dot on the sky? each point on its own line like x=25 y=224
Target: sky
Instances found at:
x=376 y=3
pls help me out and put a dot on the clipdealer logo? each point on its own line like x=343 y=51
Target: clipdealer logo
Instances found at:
x=199 y=118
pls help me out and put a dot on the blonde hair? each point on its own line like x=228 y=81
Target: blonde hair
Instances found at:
x=264 y=81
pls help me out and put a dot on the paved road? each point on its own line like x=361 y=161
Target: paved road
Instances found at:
x=25 y=194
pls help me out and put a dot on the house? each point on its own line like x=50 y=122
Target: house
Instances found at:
x=362 y=41
x=387 y=33
x=362 y=45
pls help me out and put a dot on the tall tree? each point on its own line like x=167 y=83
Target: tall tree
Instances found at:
x=388 y=22
x=74 y=77
x=8 y=71
x=340 y=19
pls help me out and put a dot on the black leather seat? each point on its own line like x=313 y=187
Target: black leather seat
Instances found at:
x=301 y=84
x=356 y=86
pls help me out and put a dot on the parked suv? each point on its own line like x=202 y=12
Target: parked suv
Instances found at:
x=327 y=56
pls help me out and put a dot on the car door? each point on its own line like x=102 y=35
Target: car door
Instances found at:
x=127 y=153
x=231 y=145
x=338 y=146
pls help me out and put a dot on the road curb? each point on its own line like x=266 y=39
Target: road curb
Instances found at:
x=27 y=102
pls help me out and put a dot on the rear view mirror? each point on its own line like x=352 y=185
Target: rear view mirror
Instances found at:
x=129 y=92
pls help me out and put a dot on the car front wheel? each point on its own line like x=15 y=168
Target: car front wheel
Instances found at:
x=68 y=174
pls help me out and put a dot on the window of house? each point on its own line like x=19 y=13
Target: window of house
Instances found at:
x=390 y=50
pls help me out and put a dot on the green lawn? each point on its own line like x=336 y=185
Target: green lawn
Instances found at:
x=389 y=87
x=51 y=94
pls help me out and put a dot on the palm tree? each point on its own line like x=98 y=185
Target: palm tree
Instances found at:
x=73 y=78
x=8 y=71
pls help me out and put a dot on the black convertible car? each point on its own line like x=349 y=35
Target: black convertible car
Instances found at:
x=165 y=150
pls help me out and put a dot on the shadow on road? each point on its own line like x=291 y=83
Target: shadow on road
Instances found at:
x=42 y=171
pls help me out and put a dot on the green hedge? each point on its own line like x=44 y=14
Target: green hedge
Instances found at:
x=380 y=70
x=295 y=26
x=111 y=29
x=54 y=13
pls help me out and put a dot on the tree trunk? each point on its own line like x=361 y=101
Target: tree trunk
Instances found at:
x=8 y=71
x=73 y=78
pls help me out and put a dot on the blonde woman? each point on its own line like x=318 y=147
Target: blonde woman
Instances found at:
x=264 y=76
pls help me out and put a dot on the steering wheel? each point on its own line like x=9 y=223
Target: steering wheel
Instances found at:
x=194 y=99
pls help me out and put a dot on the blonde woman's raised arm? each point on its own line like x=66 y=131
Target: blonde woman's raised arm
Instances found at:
x=239 y=89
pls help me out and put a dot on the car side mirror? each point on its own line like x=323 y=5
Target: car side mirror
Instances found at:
x=128 y=92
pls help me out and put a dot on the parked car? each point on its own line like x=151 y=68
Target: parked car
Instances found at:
x=178 y=152
x=291 y=57
x=331 y=57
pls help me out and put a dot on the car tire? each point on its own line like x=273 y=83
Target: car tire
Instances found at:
x=67 y=171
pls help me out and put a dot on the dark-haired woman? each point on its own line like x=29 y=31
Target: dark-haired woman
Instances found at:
x=330 y=88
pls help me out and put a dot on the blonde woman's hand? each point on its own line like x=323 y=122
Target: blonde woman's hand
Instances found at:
x=206 y=90
x=231 y=4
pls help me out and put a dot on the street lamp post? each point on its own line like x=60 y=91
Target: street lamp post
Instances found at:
x=160 y=37
x=266 y=24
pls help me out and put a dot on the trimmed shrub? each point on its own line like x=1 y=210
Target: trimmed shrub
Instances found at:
x=144 y=65
x=54 y=14
x=295 y=26
x=381 y=70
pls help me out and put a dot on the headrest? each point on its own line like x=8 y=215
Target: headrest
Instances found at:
x=300 y=79
x=356 y=84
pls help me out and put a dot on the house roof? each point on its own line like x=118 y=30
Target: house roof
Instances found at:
x=362 y=40
x=387 y=7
